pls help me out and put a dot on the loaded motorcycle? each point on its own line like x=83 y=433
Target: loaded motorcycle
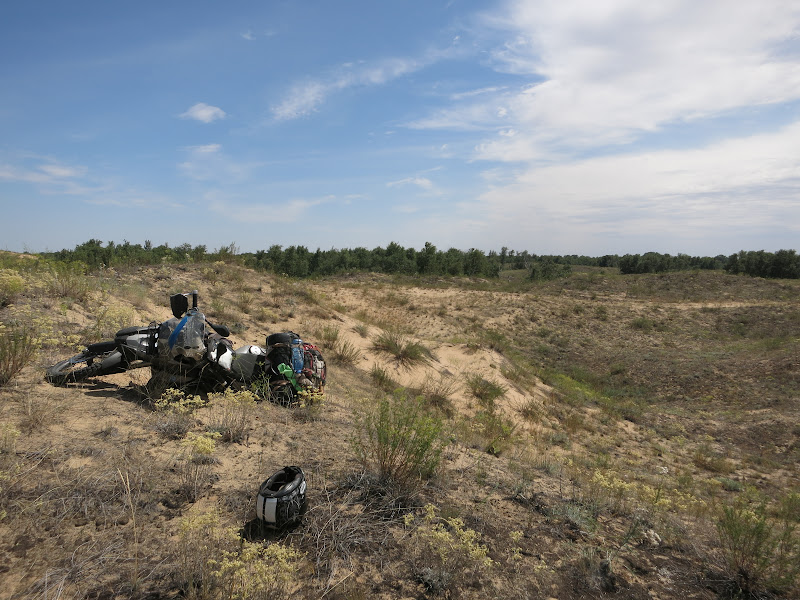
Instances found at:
x=189 y=352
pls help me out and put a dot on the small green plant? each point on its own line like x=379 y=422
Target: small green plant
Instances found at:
x=446 y=554
x=11 y=284
x=345 y=353
x=438 y=391
x=490 y=432
x=18 y=346
x=405 y=352
x=68 y=280
x=214 y=562
x=484 y=390
x=399 y=440
x=329 y=335
x=108 y=320
x=174 y=410
x=231 y=413
x=361 y=329
x=194 y=465
x=383 y=379
x=706 y=458
x=309 y=405
x=761 y=552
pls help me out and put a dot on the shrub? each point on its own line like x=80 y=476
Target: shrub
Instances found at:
x=341 y=350
x=405 y=352
x=399 y=440
x=437 y=392
x=446 y=554
x=490 y=432
x=68 y=280
x=760 y=552
x=17 y=348
x=484 y=390
x=214 y=562
x=174 y=413
x=108 y=320
x=382 y=379
x=345 y=353
x=231 y=414
x=194 y=465
x=11 y=284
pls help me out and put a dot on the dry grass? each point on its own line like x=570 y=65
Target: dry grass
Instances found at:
x=670 y=397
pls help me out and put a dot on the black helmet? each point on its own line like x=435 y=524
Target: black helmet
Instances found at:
x=282 y=497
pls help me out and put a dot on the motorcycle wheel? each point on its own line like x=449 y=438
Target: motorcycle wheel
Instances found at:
x=282 y=392
x=85 y=365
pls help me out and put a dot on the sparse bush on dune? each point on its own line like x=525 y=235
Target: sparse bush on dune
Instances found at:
x=760 y=550
x=402 y=350
x=631 y=474
x=399 y=440
x=18 y=346
x=11 y=284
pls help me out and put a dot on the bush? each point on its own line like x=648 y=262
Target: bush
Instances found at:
x=68 y=280
x=446 y=554
x=345 y=353
x=760 y=552
x=399 y=440
x=484 y=390
x=383 y=379
x=214 y=562
x=174 y=413
x=194 y=465
x=406 y=353
x=231 y=414
x=11 y=284
x=17 y=348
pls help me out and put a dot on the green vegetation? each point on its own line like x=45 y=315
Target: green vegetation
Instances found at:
x=399 y=440
x=18 y=346
x=300 y=262
x=404 y=351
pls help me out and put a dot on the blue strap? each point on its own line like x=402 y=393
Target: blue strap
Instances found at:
x=174 y=336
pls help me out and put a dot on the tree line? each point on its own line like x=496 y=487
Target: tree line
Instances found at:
x=299 y=261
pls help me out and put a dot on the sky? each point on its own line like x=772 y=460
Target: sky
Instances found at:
x=554 y=126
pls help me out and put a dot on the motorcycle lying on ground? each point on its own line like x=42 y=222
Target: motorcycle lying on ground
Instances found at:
x=190 y=353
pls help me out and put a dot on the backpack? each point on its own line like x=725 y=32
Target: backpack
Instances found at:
x=314 y=365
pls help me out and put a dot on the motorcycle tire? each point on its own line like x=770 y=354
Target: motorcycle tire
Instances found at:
x=281 y=338
x=282 y=393
x=92 y=362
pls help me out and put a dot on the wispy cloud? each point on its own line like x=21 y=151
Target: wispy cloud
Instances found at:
x=422 y=182
x=293 y=210
x=607 y=73
x=203 y=112
x=307 y=96
x=670 y=197
x=50 y=176
x=209 y=162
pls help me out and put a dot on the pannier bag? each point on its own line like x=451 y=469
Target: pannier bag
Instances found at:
x=280 y=348
x=282 y=497
x=314 y=365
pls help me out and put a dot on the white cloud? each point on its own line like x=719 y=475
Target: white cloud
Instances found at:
x=604 y=73
x=289 y=211
x=248 y=35
x=749 y=183
x=306 y=97
x=422 y=182
x=204 y=112
x=205 y=149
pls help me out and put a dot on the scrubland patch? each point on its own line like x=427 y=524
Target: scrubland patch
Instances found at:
x=593 y=436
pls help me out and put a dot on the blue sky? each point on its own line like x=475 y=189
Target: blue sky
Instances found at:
x=558 y=127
